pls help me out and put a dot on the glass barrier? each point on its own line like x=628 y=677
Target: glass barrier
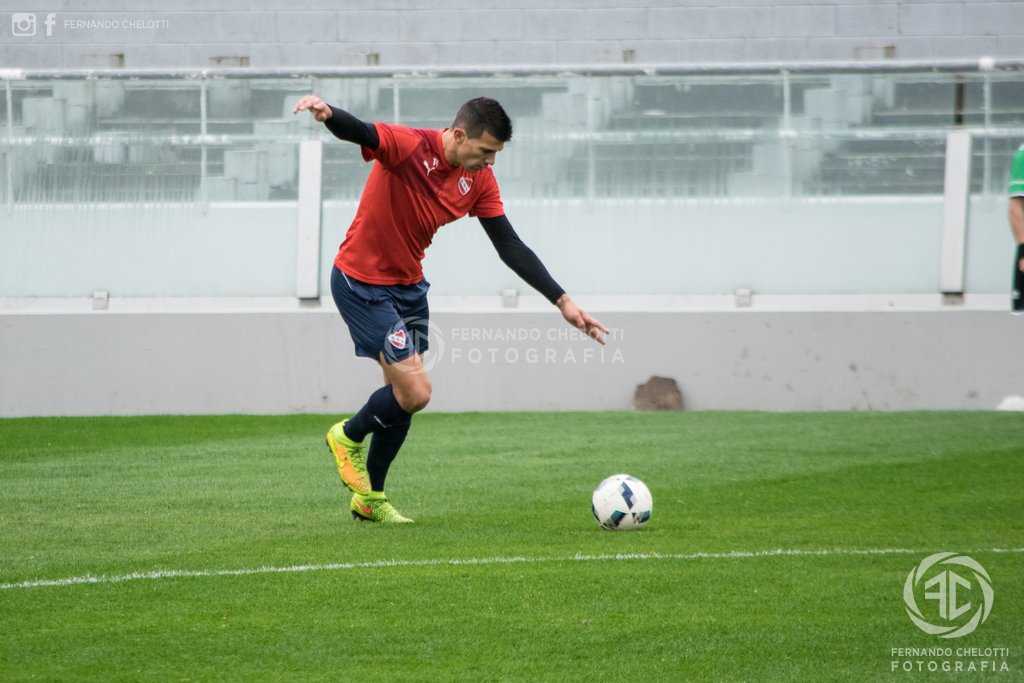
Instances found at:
x=124 y=154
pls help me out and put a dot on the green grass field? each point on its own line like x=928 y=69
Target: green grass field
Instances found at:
x=220 y=548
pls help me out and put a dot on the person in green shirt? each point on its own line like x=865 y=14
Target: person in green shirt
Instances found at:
x=1017 y=225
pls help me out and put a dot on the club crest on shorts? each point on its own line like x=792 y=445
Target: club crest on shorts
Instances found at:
x=397 y=339
x=465 y=184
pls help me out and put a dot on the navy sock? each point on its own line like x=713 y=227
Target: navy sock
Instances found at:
x=384 y=447
x=380 y=412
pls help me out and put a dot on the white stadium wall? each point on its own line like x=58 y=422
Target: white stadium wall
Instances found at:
x=105 y=362
x=853 y=245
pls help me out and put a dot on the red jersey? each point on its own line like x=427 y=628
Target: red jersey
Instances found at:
x=411 y=192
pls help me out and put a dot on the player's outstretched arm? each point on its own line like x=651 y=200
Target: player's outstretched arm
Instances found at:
x=524 y=263
x=342 y=124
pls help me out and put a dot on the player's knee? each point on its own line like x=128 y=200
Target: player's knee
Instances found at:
x=414 y=398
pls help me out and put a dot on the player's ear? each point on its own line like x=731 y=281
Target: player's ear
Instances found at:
x=459 y=135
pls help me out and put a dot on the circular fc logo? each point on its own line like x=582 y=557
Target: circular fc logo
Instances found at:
x=957 y=593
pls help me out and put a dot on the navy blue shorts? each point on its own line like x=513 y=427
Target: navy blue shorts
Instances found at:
x=383 y=319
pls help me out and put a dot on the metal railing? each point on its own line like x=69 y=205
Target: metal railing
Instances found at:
x=719 y=130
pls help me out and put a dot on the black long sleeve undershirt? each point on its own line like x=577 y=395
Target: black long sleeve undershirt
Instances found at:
x=347 y=127
x=520 y=258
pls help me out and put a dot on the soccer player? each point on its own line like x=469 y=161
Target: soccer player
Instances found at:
x=1017 y=225
x=421 y=180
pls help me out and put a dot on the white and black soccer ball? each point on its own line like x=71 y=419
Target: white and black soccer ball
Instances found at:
x=622 y=502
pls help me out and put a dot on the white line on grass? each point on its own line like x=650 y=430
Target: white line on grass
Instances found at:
x=456 y=562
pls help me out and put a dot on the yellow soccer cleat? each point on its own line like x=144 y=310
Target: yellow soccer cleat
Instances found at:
x=374 y=507
x=350 y=458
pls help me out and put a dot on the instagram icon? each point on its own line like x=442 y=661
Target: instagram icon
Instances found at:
x=23 y=24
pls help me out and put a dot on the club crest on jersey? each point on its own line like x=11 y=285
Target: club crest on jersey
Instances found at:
x=465 y=184
x=397 y=339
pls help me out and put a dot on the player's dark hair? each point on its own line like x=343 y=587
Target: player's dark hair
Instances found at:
x=484 y=114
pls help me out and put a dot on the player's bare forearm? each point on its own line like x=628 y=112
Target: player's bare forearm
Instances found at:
x=581 y=320
x=1017 y=223
x=1017 y=218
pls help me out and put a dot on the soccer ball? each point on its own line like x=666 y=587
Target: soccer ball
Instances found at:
x=622 y=502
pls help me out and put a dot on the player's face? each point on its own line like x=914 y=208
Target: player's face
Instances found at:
x=476 y=154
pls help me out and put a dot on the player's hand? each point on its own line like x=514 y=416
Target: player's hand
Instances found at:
x=320 y=110
x=581 y=320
